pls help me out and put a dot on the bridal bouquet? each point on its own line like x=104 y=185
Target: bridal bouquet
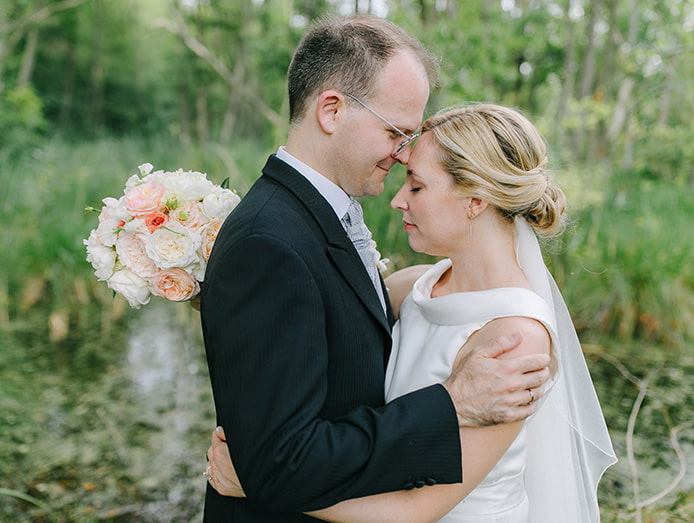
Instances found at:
x=156 y=239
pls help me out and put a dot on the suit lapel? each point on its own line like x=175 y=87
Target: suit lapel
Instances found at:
x=340 y=248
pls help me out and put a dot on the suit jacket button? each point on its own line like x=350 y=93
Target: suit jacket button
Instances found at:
x=419 y=483
x=408 y=486
x=431 y=481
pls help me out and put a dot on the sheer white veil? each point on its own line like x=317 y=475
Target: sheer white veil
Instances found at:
x=569 y=447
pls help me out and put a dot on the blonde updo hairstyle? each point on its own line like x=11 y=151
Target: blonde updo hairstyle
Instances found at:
x=496 y=154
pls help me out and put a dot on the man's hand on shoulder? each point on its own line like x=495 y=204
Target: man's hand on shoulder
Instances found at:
x=488 y=387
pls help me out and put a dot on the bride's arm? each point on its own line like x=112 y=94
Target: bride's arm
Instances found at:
x=481 y=449
x=431 y=503
x=399 y=285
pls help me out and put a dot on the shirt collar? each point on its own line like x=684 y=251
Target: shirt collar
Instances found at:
x=338 y=199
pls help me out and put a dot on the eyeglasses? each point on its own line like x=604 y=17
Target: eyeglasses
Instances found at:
x=401 y=146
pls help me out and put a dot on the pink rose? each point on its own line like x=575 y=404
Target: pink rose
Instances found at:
x=144 y=198
x=189 y=215
x=131 y=253
x=175 y=285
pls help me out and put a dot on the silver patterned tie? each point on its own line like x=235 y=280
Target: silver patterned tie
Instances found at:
x=360 y=235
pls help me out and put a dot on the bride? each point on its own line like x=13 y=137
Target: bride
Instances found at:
x=477 y=194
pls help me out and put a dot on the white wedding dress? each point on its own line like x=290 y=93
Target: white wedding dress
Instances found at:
x=550 y=472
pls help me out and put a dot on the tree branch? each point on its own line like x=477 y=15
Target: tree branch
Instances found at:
x=17 y=29
x=179 y=29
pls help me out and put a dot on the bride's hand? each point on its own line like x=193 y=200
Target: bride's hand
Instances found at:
x=220 y=471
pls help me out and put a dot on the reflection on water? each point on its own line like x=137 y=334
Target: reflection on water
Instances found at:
x=164 y=364
x=170 y=389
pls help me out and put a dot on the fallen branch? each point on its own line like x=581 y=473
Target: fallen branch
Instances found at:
x=643 y=391
x=674 y=441
x=24 y=497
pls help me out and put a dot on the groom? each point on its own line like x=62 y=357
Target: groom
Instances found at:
x=296 y=336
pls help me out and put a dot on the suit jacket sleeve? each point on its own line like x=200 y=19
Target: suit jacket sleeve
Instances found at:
x=264 y=326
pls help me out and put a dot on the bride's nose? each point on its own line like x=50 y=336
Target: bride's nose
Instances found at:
x=399 y=201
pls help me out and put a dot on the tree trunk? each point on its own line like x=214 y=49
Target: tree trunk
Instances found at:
x=569 y=73
x=29 y=58
x=597 y=140
x=620 y=117
x=665 y=97
x=68 y=88
x=202 y=123
x=587 y=76
x=588 y=68
x=4 y=48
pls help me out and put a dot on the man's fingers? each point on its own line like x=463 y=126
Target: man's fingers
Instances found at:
x=498 y=346
x=532 y=362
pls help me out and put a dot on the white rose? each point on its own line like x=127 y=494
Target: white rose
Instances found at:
x=219 y=203
x=145 y=168
x=106 y=231
x=173 y=245
x=197 y=270
x=102 y=257
x=131 y=287
x=136 y=225
x=132 y=182
x=115 y=209
x=183 y=185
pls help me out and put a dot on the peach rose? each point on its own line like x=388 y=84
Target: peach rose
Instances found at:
x=209 y=234
x=144 y=198
x=155 y=220
x=175 y=285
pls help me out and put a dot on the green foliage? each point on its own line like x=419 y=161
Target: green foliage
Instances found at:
x=21 y=117
x=623 y=268
x=665 y=153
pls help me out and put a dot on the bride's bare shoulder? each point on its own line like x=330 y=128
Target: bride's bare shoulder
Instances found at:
x=400 y=284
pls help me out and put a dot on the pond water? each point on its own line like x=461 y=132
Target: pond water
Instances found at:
x=116 y=428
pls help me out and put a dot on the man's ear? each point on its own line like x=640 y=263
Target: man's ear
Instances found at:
x=328 y=106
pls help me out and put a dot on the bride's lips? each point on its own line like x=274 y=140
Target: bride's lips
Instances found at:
x=409 y=226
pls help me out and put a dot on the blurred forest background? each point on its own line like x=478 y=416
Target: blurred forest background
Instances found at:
x=105 y=412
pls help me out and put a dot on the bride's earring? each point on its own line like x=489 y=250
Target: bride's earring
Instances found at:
x=471 y=216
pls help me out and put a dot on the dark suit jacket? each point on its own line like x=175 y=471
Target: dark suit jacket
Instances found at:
x=297 y=344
